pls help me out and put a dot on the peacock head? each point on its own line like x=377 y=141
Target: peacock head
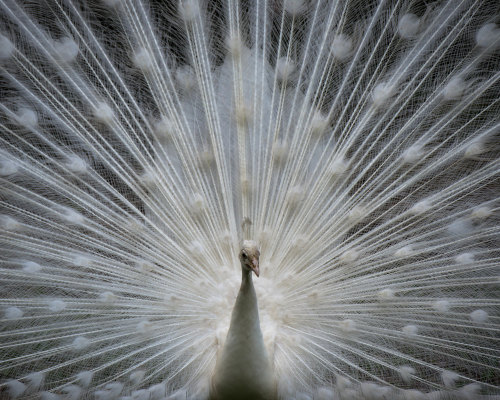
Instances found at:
x=249 y=256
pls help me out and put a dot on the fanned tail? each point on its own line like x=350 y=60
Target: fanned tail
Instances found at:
x=356 y=141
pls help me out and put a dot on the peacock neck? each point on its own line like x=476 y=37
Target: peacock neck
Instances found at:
x=245 y=322
x=243 y=370
x=247 y=289
x=246 y=279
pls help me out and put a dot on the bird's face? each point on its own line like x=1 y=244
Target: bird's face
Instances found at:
x=249 y=256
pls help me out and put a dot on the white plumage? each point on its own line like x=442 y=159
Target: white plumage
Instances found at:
x=243 y=369
x=355 y=141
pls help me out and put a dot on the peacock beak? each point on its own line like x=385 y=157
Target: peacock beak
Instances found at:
x=255 y=266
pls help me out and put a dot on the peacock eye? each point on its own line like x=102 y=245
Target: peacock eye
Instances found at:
x=244 y=255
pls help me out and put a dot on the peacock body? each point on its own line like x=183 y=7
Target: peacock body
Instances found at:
x=355 y=141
